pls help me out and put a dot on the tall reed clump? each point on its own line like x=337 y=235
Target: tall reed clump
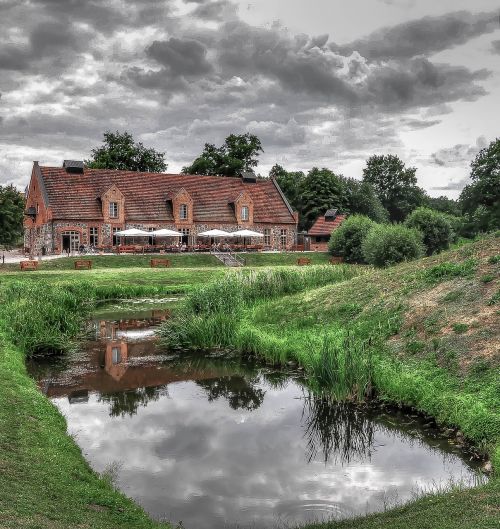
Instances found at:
x=344 y=365
x=210 y=314
x=39 y=319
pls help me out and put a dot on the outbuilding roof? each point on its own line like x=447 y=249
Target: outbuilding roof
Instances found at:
x=324 y=226
x=77 y=196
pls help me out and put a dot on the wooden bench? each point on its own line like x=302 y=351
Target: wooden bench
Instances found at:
x=83 y=264
x=29 y=265
x=160 y=262
x=302 y=261
x=336 y=260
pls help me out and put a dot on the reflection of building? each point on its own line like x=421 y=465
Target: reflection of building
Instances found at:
x=73 y=205
x=121 y=358
x=322 y=229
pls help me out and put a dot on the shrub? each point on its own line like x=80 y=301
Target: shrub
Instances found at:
x=445 y=271
x=435 y=227
x=390 y=244
x=347 y=239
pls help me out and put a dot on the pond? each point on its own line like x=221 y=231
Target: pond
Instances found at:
x=214 y=441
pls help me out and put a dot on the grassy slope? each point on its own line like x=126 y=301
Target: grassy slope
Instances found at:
x=440 y=321
x=44 y=480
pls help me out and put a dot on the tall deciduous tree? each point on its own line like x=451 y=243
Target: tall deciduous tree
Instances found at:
x=119 y=151
x=238 y=153
x=11 y=215
x=362 y=200
x=395 y=185
x=290 y=183
x=480 y=199
x=321 y=189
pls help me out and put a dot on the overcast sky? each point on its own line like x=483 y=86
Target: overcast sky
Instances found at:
x=321 y=82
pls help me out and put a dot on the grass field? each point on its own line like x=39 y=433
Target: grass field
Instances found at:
x=431 y=329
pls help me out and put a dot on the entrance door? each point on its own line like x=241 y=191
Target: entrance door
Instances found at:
x=70 y=241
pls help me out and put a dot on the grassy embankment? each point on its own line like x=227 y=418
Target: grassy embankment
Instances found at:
x=424 y=334
x=44 y=481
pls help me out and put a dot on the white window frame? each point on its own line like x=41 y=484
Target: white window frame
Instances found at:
x=114 y=210
x=267 y=236
x=283 y=237
x=94 y=236
x=245 y=213
x=183 y=212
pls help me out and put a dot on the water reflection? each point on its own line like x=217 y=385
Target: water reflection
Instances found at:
x=339 y=430
x=216 y=442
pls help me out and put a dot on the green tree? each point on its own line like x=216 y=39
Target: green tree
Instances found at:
x=362 y=200
x=237 y=154
x=388 y=244
x=119 y=151
x=395 y=185
x=290 y=183
x=434 y=226
x=321 y=189
x=444 y=205
x=346 y=241
x=480 y=200
x=11 y=215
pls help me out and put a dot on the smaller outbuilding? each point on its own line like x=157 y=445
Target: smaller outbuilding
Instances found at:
x=322 y=228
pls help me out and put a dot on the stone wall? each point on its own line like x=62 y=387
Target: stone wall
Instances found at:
x=48 y=237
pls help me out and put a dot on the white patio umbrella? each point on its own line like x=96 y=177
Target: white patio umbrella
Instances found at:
x=132 y=232
x=246 y=233
x=165 y=232
x=215 y=233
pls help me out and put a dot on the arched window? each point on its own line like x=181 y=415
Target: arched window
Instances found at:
x=183 y=211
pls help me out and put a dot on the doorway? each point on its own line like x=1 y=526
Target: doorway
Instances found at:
x=70 y=241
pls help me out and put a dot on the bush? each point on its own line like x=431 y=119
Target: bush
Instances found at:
x=435 y=227
x=390 y=244
x=347 y=239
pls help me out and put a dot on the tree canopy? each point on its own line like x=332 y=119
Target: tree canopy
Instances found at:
x=119 y=151
x=291 y=183
x=480 y=199
x=11 y=215
x=321 y=189
x=395 y=185
x=237 y=154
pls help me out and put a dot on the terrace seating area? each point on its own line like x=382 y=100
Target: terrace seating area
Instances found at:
x=178 y=248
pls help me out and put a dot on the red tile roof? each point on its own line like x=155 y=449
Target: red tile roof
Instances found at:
x=325 y=227
x=76 y=196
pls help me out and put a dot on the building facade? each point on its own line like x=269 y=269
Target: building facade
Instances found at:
x=322 y=229
x=70 y=206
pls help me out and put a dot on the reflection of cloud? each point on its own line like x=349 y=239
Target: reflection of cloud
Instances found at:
x=206 y=464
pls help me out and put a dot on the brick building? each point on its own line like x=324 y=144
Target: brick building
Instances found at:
x=71 y=205
x=322 y=229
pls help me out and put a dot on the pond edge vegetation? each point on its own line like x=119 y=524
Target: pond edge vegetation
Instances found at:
x=234 y=312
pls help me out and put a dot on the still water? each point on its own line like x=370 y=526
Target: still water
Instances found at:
x=220 y=442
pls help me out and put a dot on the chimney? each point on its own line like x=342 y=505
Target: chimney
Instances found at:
x=249 y=177
x=73 y=166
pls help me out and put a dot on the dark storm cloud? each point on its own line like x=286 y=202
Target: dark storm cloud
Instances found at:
x=424 y=36
x=180 y=56
x=419 y=82
x=246 y=50
x=217 y=10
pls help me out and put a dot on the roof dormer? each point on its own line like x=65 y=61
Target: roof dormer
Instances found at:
x=182 y=206
x=243 y=208
x=113 y=205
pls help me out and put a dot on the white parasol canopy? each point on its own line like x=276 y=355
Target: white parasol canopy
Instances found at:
x=246 y=233
x=215 y=233
x=132 y=232
x=165 y=232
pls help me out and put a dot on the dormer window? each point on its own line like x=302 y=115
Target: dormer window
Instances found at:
x=183 y=211
x=245 y=213
x=113 y=210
